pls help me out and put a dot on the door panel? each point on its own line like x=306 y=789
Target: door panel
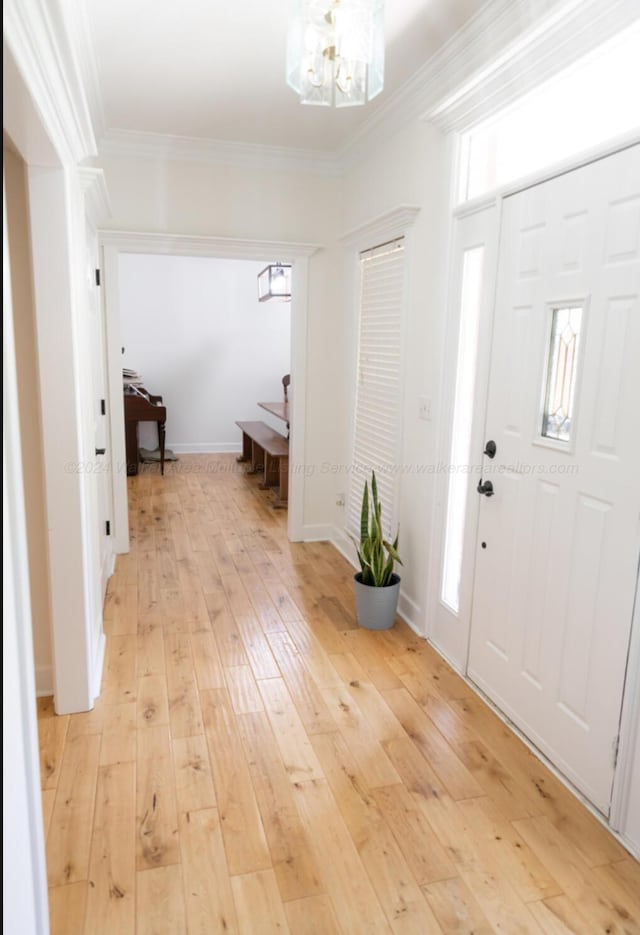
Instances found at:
x=558 y=542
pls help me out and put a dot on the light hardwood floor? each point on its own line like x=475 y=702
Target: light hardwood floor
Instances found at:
x=257 y=763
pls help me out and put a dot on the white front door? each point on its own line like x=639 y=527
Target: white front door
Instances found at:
x=557 y=550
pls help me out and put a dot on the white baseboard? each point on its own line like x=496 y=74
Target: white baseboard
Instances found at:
x=410 y=613
x=317 y=533
x=44 y=681
x=205 y=448
x=98 y=663
x=341 y=541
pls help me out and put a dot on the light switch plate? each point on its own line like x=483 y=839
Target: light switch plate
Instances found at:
x=424 y=408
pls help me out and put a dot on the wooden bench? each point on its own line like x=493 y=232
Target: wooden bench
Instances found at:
x=267 y=451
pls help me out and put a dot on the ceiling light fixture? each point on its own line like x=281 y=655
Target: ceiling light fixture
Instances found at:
x=274 y=283
x=335 y=51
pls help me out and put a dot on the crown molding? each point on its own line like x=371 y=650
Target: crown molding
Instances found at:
x=390 y=224
x=96 y=196
x=506 y=49
x=572 y=30
x=483 y=36
x=132 y=144
x=36 y=34
x=189 y=245
x=80 y=30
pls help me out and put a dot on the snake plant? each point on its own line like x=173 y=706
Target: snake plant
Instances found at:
x=377 y=556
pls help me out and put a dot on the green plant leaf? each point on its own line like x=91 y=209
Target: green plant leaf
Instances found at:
x=364 y=514
x=376 y=555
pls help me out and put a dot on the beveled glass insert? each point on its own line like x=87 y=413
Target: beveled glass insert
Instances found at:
x=562 y=367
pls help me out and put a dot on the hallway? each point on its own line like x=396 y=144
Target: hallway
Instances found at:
x=257 y=763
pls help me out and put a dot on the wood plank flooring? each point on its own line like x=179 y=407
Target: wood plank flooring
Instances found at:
x=256 y=763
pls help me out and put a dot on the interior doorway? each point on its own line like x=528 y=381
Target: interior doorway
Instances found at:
x=295 y=254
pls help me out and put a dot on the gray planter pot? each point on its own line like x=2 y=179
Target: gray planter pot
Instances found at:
x=376 y=607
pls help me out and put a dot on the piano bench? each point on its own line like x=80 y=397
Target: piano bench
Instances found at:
x=267 y=451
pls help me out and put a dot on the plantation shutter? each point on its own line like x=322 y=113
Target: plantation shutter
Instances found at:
x=376 y=435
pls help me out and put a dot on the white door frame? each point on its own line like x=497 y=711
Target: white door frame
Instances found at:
x=115 y=242
x=39 y=130
x=630 y=717
x=25 y=884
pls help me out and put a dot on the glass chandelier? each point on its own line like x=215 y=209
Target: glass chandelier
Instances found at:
x=335 y=51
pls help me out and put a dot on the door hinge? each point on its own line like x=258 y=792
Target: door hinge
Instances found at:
x=97 y=277
x=107 y=527
x=615 y=749
x=103 y=407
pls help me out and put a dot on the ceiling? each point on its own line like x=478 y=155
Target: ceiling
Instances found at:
x=215 y=70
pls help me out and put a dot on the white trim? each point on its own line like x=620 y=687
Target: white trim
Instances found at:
x=25 y=876
x=499 y=25
x=298 y=396
x=79 y=27
x=110 y=295
x=197 y=245
x=624 y=782
x=318 y=533
x=562 y=167
x=390 y=224
x=133 y=144
x=54 y=206
x=44 y=681
x=341 y=540
x=36 y=33
x=500 y=53
x=98 y=660
x=96 y=195
x=205 y=448
x=480 y=227
x=410 y=613
x=569 y=31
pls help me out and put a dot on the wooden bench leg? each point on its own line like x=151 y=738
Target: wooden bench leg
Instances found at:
x=257 y=458
x=282 y=499
x=271 y=475
x=246 y=448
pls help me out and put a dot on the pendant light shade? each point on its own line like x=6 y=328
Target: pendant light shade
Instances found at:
x=274 y=283
x=335 y=51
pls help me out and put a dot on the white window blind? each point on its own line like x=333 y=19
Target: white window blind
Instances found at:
x=376 y=433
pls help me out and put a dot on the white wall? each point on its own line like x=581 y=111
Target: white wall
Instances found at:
x=196 y=198
x=194 y=329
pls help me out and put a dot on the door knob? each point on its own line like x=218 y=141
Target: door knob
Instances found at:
x=486 y=488
x=490 y=449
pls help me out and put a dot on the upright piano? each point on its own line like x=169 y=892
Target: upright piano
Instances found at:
x=142 y=406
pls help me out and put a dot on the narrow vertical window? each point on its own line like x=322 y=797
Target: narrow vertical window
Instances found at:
x=561 y=372
x=471 y=292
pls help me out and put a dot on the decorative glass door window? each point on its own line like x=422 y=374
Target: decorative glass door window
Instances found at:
x=562 y=367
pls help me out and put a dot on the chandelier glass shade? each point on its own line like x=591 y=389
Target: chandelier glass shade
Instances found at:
x=335 y=51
